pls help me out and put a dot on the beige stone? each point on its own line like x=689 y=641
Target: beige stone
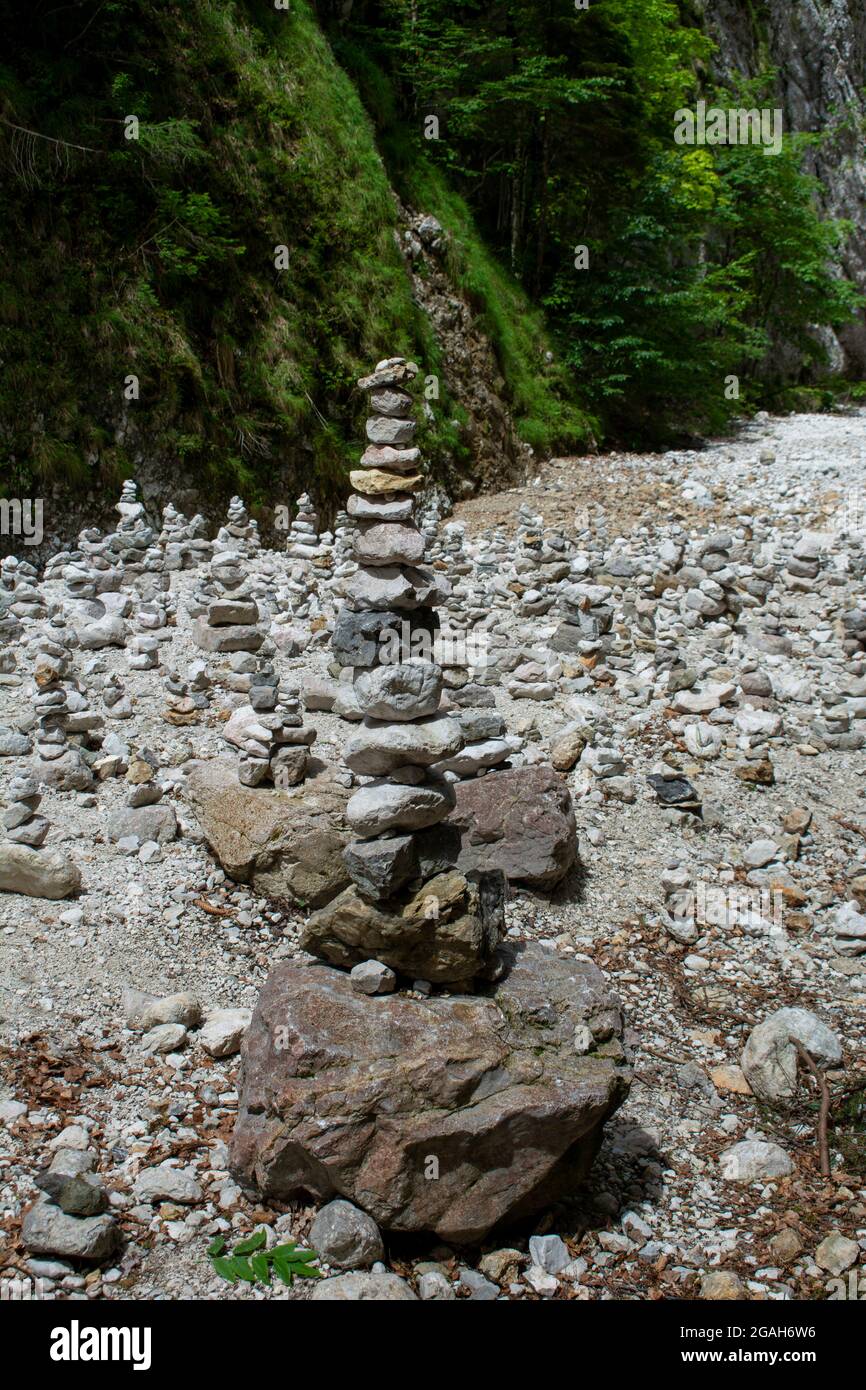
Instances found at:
x=376 y=482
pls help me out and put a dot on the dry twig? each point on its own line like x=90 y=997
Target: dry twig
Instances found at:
x=824 y=1112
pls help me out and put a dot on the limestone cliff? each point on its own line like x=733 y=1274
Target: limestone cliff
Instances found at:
x=818 y=48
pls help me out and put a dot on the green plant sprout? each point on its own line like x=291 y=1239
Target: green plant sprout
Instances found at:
x=252 y=1263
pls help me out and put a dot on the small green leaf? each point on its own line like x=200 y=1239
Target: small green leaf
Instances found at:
x=217 y=1247
x=253 y=1242
x=284 y=1249
x=283 y=1268
x=261 y=1268
x=225 y=1269
x=305 y=1256
x=242 y=1269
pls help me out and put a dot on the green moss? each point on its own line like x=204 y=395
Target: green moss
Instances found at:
x=157 y=255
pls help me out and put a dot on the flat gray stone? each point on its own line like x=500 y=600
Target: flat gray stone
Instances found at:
x=47 y=1230
x=383 y=806
x=363 y=1288
x=389 y=543
x=406 y=690
x=234 y=638
x=157 y=823
x=167 y=1184
x=379 y=747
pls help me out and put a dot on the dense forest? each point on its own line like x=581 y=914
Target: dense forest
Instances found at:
x=202 y=213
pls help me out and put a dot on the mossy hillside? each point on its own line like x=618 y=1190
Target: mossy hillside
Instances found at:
x=542 y=395
x=155 y=257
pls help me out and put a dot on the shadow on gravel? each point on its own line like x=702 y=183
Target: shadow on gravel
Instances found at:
x=571 y=889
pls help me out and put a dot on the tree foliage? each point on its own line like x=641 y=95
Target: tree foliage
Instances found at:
x=556 y=125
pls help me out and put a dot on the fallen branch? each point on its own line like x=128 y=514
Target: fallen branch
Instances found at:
x=214 y=911
x=824 y=1112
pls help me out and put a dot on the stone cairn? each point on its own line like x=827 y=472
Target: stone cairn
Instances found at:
x=172 y=538
x=230 y=621
x=87 y=571
x=20 y=580
x=115 y=699
x=61 y=764
x=183 y=543
x=23 y=826
x=132 y=536
x=146 y=821
x=10 y=626
x=240 y=532
x=408 y=910
x=274 y=744
x=344 y=545
x=25 y=865
x=303 y=538
x=187 y=697
x=364 y=1090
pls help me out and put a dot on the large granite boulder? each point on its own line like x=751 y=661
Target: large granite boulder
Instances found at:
x=446 y=932
x=287 y=843
x=449 y=1115
x=520 y=821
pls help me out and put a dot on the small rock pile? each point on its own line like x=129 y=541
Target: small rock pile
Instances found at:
x=145 y=823
x=25 y=867
x=20 y=581
x=60 y=764
x=132 y=536
x=71 y=1219
x=240 y=533
x=183 y=543
x=303 y=538
x=270 y=733
x=21 y=823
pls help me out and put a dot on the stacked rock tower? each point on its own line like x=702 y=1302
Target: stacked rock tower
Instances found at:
x=502 y=1082
x=408 y=908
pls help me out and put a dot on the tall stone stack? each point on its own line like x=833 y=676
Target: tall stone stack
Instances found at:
x=344 y=545
x=408 y=908
x=364 y=1081
x=172 y=538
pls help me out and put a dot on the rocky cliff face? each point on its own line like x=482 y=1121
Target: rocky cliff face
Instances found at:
x=818 y=48
x=468 y=355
